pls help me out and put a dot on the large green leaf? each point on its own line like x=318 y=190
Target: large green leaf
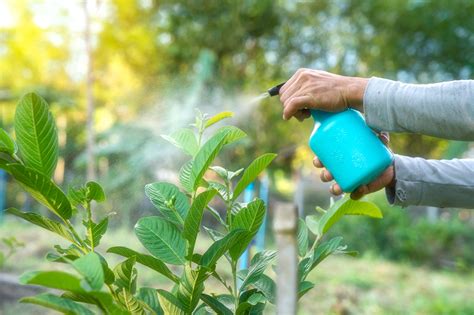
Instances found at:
x=252 y=172
x=190 y=288
x=249 y=219
x=53 y=279
x=302 y=237
x=6 y=143
x=126 y=275
x=347 y=206
x=251 y=302
x=57 y=303
x=170 y=304
x=183 y=139
x=218 y=117
x=42 y=189
x=257 y=266
x=220 y=247
x=150 y=297
x=146 y=260
x=43 y=222
x=216 y=305
x=90 y=267
x=36 y=134
x=171 y=202
x=194 y=217
x=162 y=239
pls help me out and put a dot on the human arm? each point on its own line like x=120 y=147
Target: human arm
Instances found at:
x=416 y=181
x=443 y=110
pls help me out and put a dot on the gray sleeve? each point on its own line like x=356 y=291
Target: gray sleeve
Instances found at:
x=444 y=183
x=443 y=110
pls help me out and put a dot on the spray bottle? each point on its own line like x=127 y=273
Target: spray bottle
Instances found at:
x=346 y=146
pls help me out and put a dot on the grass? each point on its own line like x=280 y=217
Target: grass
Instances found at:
x=344 y=285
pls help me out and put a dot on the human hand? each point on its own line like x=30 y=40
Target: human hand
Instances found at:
x=316 y=89
x=386 y=179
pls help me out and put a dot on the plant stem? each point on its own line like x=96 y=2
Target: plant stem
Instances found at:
x=234 y=278
x=89 y=218
x=79 y=241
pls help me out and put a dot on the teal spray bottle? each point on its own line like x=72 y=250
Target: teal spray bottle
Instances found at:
x=346 y=146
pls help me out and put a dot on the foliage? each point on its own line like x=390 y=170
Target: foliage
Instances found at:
x=403 y=236
x=169 y=237
x=12 y=245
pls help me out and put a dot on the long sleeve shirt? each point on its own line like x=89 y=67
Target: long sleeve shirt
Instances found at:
x=444 y=110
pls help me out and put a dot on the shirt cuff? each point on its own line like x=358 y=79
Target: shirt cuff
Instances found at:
x=406 y=191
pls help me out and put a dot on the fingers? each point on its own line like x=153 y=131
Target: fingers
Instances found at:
x=384 y=137
x=289 y=87
x=295 y=104
x=317 y=163
x=303 y=114
x=325 y=175
x=335 y=189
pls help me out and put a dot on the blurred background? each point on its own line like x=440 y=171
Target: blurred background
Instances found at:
x=119 y=73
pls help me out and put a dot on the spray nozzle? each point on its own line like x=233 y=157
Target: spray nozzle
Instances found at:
x=275 y=90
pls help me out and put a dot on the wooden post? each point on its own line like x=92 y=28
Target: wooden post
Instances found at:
x=285 y=222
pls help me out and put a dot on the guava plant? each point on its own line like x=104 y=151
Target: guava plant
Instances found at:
x=92 y=286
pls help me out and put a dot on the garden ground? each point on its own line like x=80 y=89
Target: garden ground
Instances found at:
x=344 y=285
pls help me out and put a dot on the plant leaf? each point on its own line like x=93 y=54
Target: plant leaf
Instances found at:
x=97 y=230
x=221 y=189
x=304 y=287
x=232 y=133
x=90 y=267
x=57 y=303
x=146 y=260
x=126 y=275
x=185 y=176
x=162 y=239
x=302 y=238
x=252 y=171
x=194 y=218
x=321 y=252
x=150 y=297
x=95 y=192
x=220 y=247
x=43 y=222
x=171 y=202
x=170 y=304
x=205 y=156
x=347 y=206
x=312 y=223
x=7 y=145
x=36 y=134
x=257 y=266
x=190 y=288
x=216 y=305
x=267 y=286
x=183 y=139
x=218 y=117
x=249 y=219
x=53 y=279
x=42 y=189
x=130 y=303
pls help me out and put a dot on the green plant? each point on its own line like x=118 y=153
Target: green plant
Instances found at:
x=170 y=237
x=12 y=245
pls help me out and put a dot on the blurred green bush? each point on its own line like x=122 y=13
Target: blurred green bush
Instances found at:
x=408 y=235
